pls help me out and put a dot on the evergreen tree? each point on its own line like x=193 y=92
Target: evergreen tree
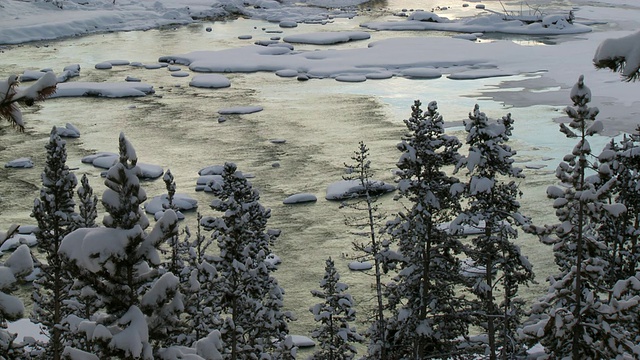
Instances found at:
x=11 y=97
x=120 y=262
x=253 y=324
x=175 y=261
x=369 y=225
x=201 y=301
x=87 y=203
x=18 y=265
x=54 y=212
x=492 y=202
x=577 y=318
x=620 y=216
x=334 y=315
x=427 y=316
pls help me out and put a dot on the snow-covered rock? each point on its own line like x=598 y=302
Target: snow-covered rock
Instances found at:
x=300 y=198
x=346 y=189
x=302 y=341
x=213 y=81
x=240 y=110
x=22 y=163
x=360 y=265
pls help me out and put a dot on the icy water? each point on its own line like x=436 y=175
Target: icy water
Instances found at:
x=322 y=122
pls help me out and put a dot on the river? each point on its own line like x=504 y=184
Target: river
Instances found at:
x=322 y=122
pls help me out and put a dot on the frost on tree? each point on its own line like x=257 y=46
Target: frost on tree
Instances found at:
x=12 y=96
x=120 y=263
x=581 y=316
x=18 y=265
x=427 y=317
x=621 y=55
x=368 y=223
x=54 y=210
x=492 y=205
x=250 y=299
x=334 y=315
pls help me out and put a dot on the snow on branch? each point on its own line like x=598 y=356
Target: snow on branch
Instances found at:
x=621 y=55
x=11 y=96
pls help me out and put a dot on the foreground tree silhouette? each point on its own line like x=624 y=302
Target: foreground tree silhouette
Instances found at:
x=11 y=97
x=334 y=332
x=493 y=207
x=621 y=55
x=253 y=324
x=428 y=317
x=580 y=317
x=54 y=212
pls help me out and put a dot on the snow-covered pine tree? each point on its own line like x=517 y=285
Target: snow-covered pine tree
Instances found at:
x=18 y=265
x=250 y=304
x=492 y=205
x=174 y=243
x=120 y=263
x=334 y=315
x=87 y=205
x=620 y=216
x=370 y=226
x=576 y=318
x=427 y=315
x=54 y=210
x=200 y=297
x=11 y=97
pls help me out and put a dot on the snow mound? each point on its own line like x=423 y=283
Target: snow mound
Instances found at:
x=211 y=81
x=68 y=131
x=347 y=189
x=360 y=265
x=105 y=89
x=327 y=38
x=240 y=110
x=302 y=341
x=21 y=163
x=182 y=202
x=300 y=198
x=105 y=160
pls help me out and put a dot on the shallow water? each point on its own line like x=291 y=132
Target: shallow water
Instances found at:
x=321 y=120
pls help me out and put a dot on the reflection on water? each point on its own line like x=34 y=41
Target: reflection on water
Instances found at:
x=321 y=120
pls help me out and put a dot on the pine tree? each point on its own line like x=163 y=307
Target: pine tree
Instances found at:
x=201 y=301
x=576 y=318
x=54 y=212
x=11 y=97
x=250 y=299
x=18 y=265
x=87 y=205
x=492 y=201
x=120 y=262
x=369 y=225
x=620 y=216
x=334 y=315
x=427 y=316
